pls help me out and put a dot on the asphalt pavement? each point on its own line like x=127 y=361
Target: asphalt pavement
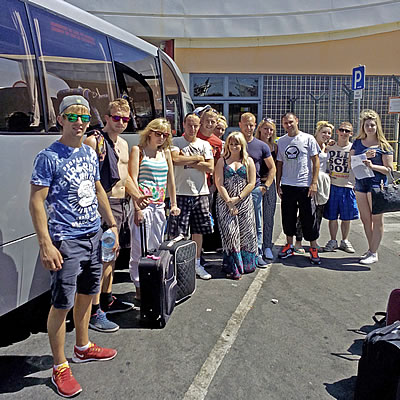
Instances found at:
x=291 y=331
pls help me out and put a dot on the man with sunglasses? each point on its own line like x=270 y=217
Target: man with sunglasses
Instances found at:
x=113 y=153
x=342 y=199
x=66 y=183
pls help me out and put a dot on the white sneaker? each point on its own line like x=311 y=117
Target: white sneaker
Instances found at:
x=369 y=259
x=346 y=246
x=268 y=254
x=331 y=245
x=202 y=273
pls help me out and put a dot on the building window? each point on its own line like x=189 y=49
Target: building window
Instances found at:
x=230 y=94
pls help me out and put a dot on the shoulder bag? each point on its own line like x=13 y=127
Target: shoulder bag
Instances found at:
x=386 y=198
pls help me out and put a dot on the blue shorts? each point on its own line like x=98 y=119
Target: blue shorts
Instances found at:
x=341 y=204
x=81 y=270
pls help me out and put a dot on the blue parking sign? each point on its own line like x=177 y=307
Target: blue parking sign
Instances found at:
x=358 y=78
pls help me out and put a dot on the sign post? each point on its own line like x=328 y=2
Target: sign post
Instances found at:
x=358 y=84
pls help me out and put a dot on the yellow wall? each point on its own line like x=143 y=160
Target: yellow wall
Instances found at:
x=380 y=53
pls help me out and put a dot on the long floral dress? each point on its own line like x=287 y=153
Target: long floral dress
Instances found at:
x=239 y=238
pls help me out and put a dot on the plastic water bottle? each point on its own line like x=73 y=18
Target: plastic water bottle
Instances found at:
x=107 y=244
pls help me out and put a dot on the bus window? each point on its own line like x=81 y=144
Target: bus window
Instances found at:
x=139 y=83
x=75 y=60
x=172 y=100
x=20 y=104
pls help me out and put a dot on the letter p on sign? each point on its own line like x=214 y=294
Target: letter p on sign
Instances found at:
x=358 y=78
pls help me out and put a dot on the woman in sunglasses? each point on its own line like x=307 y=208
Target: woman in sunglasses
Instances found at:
x=151 y=168
x=266 y=131
x=371 y=141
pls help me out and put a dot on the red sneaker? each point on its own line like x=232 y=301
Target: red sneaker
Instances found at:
x=314 y=257
x=64 y=381
x=286 y=251
x=93 y=353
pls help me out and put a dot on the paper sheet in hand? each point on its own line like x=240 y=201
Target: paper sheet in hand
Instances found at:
x=360 y=170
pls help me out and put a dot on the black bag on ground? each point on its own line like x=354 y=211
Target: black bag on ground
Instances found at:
x=184 y=258
x=157 y=285
x=378 y=375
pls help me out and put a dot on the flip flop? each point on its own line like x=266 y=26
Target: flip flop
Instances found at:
x=300 y=251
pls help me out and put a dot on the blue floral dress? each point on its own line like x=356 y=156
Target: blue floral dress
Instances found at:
x=238 y=232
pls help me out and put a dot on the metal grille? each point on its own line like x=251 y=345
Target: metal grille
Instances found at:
x=327 y=97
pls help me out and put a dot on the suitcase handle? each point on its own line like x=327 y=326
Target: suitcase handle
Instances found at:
x=143 y=238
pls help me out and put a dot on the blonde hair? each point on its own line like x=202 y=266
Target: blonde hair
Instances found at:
x=239 y=137
x=371 y=114
x=119 y=104
x=247 y=115
x=323 y=124
x=76 y=109
x=158 y=124
x=222 y=120
x=272 y=138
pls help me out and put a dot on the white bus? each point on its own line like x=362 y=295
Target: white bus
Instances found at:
x=50 y=49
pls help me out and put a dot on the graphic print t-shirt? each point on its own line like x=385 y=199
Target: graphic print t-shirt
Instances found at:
x=295 y=153
x=70 y=173
x=339 y=169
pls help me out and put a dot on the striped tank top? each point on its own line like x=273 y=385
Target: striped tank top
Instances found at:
x=152 y=178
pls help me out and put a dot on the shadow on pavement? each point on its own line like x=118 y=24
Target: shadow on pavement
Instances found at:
x=15 y=371
x=344 y=389
x=334 y=264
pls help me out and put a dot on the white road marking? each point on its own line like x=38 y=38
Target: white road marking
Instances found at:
x=199 y=387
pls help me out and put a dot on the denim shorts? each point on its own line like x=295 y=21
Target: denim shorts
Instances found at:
x=81 y=270
x=365 y=185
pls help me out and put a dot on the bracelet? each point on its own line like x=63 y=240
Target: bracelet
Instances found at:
x=239 y=197
x=112 y=226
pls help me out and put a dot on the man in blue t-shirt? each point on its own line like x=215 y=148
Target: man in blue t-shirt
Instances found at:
x=66 y=183
x=260 y=153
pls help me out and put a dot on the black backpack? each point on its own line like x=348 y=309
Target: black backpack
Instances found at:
x=379 y=366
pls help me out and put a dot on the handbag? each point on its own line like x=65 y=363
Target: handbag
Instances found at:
x=386 y=198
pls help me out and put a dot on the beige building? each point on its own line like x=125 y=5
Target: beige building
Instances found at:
x=272 y=56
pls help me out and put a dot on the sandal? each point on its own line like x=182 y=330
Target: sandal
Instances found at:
x=234 y=277
x=300 y=250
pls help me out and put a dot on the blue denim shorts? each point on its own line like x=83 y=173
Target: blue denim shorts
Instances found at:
x=365 y=185
x=81 y=270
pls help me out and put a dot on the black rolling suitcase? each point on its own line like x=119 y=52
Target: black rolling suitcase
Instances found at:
x=378 y=375
x=157 y=285
x=184 y=256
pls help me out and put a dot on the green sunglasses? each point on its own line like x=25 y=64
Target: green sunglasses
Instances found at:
x=74 y=117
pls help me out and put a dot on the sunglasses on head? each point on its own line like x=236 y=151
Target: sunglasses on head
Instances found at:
x=161 y=134
x=344 y=130
x=117 y=118
x=74 y=117
x=270 y=120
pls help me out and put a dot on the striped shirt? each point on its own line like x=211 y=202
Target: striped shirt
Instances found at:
x=152 y=178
